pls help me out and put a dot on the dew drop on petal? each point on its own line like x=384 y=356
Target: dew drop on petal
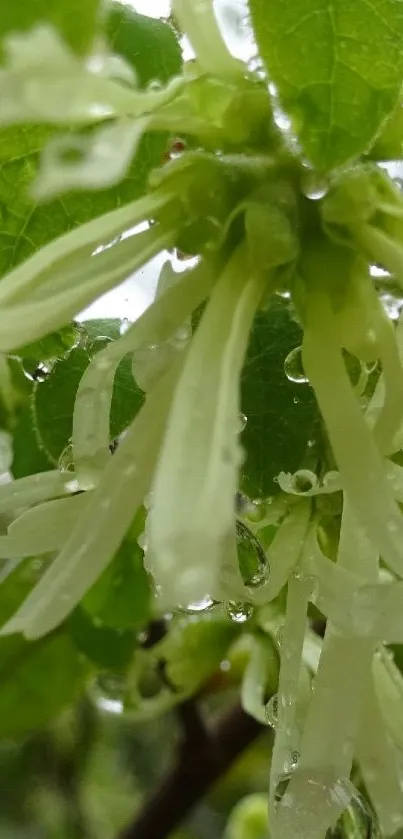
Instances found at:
x=272 y=711
x=279 y=636
x=253 y=563
x=66 y=462
x=200 y=605
x=239 y=612
x=292 y=761
x=41 y=373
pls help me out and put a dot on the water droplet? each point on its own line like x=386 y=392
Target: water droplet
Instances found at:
x=110 y=692
x=72 y=486
x=258 y=509
x=281 y=119
x=252 y=559
x=279 y=636
x=304 y=481
x=272 y=711
x=200 y=605
x=41 y=373
x=142 y=541
x=295 y=400
x=313 y=188
x=66 y=461
x=292 y=762
x=124 y=326
x=239 y=612
x=154 y=86
x=357 y=819
x=392 y=304
x=242 y=422
x=293 y=368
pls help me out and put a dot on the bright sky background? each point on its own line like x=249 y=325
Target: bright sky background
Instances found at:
x=131 y=298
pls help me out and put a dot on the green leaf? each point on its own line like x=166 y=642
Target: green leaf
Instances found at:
x=281 y=414
x=28 y=698
x=75 y=20
x=337 y=67
x=148 y=44
x=25 y=227
x=194 y=648
x=53 y=400
x=106 y=647
x=389 y=142
x=121 y=598
x=28 y=456
x=52 y=346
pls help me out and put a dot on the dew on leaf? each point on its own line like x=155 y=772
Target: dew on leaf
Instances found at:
x=239 y=612
x=313 y=188
x=293 y=368
x=41 y=373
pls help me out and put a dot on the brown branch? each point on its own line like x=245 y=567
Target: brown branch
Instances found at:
x=198 y=765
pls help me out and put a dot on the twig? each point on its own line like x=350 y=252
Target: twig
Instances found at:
x=198 y=765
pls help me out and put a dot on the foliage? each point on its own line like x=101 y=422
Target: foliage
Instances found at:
x=206 y=501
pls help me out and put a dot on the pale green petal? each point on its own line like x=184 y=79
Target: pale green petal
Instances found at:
x=197 y=20
x=92 y=407
x=103 y=523
x=64 y=294
x=98 y=159
x=46 y=527
x=362 y=469
x=261 y=665
x=288 y=735
x=35 y=488
x=329 y=737
x=378 y=762
x=389 y=689
x=197 y=475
